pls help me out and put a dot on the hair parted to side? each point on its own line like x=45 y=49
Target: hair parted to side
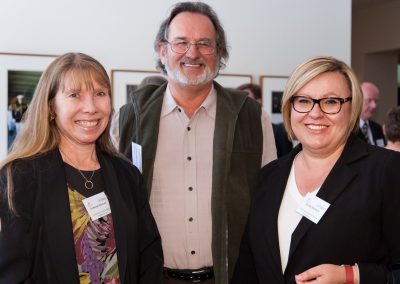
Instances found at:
x=310 y=69
x=196 y=8
x=81 y=70
x=392 y=124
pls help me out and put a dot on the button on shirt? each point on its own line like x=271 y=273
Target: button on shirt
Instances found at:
x=181 y=188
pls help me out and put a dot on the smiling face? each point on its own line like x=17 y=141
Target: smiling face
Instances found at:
x=192 y=67
x=319 y=132
x=81 y=113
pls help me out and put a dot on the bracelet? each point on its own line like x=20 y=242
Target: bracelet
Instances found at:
x=349 y=274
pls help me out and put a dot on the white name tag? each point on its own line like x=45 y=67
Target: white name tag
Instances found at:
x=97 y=206
x=137 y=155
x=380 y=142
x=313 y=208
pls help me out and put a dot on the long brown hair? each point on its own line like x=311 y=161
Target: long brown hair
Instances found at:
x=39 y=118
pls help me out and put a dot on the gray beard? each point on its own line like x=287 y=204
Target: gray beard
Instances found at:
x=206 y=77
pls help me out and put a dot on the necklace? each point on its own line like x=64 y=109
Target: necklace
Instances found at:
x=88 y=181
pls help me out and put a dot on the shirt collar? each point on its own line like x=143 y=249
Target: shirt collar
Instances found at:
x=209 y=104
x=363 y=121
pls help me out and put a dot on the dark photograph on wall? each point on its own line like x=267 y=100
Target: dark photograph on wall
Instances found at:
x=21 y=87
x=276 y=97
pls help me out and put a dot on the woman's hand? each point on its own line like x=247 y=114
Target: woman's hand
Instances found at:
x=324 y=274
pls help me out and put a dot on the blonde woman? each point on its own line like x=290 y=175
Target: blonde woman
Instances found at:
x=71 y=210
x=328 y=212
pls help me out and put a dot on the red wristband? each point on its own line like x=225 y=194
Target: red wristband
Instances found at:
x=349 y=274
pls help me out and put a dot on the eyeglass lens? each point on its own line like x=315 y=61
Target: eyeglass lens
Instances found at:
x=327 y=105
x=183 y=46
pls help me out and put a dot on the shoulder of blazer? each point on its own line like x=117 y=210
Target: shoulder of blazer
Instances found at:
x=121 y=165
x=232 y=99
x=27 y=174
x=278 y=169
x=37 y=165
x=126 y=173
x=147 y=95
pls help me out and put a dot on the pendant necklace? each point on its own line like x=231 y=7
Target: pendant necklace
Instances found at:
x=88 y=181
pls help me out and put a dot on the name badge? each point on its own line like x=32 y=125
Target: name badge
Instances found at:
x=313 y=208
x=137 y=155
x=97 y=206
x=380 y=142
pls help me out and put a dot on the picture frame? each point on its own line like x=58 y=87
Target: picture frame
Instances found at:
x=19 y=73
x=227 y=80
x=124 y=81
x=272 y=88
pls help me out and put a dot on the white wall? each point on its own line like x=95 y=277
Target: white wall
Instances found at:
x=266 y=37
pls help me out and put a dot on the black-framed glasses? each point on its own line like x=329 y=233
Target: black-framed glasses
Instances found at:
x=327 y=105
x=182 y=46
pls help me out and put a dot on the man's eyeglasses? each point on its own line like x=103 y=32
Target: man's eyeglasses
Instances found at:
x=182 y=46
x=327 y=105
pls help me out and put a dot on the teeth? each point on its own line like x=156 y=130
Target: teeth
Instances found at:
x=192 y=65
x=316 y=127
x=87 y=123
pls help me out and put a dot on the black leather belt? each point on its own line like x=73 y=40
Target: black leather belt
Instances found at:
x=197 y=275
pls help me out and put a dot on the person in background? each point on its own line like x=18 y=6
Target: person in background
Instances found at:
x=153 y=80
x=18 y=107
x=202 y=147
x=71 y=209
x=391 y=129
x=282 y=143
x=370 y=130
x=328 y=212
x=253 y=91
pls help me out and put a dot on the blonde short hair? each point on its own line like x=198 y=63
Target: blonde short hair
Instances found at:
x=310 y=69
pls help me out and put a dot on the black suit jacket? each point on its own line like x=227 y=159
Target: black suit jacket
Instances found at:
x=37 y=246
x=377 y=133
x=362 y=224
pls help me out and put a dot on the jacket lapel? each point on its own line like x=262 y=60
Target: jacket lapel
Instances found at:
x=118 y=212
x=57 y=216
x=336 y=182
x=274 y=202
x=226 y=116
x=149 y=124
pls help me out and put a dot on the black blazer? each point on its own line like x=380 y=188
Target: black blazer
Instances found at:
x=38 y=245
x=377 y=133
x=362 y=224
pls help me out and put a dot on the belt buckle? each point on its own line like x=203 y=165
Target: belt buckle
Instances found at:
x=194 y=276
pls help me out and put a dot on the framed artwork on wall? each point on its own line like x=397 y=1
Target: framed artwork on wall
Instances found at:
x=125 y=81
x=272 y=88
x=19 y=75
x=233 y=80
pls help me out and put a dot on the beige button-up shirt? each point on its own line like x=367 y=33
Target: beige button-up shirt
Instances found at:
x=182 y=180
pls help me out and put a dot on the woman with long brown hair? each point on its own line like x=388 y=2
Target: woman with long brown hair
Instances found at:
x=71 y=209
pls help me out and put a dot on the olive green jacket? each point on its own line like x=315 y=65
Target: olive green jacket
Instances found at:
x=236 y=161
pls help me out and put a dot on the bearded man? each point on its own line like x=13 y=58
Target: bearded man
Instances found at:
x=201 y=146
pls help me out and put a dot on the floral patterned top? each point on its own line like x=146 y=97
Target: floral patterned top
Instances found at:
x=95 y=247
